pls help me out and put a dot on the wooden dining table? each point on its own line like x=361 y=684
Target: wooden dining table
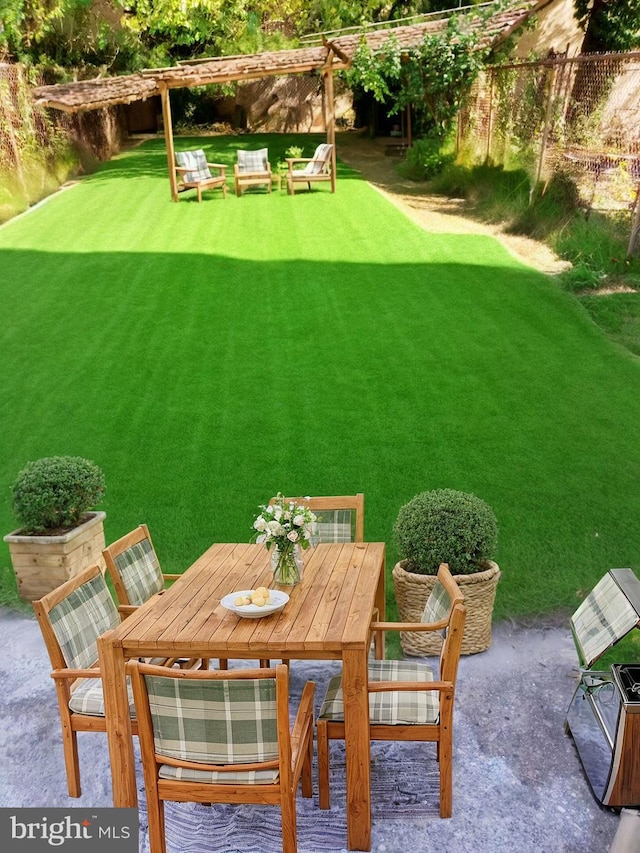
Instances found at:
x=326 y=618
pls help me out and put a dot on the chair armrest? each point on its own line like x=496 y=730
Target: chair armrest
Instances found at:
x=299 y=159
x=409 y=626
x=89 y=672
x=302 y=727
x=127 y=609
x=221 y=166
x=172 y=577
x=406 y=686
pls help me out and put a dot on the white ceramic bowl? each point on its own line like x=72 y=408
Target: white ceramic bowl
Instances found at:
x=277 y=600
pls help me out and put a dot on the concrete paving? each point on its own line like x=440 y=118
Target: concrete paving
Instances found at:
x=518 y=781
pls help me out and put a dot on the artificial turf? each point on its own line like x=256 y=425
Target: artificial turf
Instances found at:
x=207 y=356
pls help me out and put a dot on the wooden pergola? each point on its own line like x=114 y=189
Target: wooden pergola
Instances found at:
x=326 y=58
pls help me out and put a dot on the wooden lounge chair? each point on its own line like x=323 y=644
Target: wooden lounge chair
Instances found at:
x=407 y=700
x=222 y=737
x=252 y=169
x=317 y=168
x=194 y=173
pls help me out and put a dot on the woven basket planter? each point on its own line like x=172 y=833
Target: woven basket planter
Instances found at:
x=479 y=590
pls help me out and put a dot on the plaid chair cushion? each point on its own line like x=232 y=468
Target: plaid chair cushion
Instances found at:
x=88 y=698
x=393 y=707
x=437 y=606
x=81 y=618
x=602 y=619
x=196 y=162
x=215 y=722
x=228 y=777
x=140 y=572
x=253 y=161
x=334 y=526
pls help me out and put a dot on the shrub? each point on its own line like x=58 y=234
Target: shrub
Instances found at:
x=55 y=492
x=424 y=160
x=446 y=526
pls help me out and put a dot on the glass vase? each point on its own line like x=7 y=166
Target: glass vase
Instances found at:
x=287 y=565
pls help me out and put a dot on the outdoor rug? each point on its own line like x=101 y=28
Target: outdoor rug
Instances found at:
x=404 y=787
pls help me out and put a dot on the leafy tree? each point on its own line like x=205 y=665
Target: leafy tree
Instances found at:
x=609 y=25
x=433 y=77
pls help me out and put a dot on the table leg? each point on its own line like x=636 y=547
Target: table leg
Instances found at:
x=119 y=735
x=358 y=749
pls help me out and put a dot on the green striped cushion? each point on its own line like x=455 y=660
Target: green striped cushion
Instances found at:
x=214 y=722
x=393 y=707
x=229 y=777
x=602 y=619
x=335 y=525
x=81 y=618
x=88 y=698
x=140 y=572
x=438 y=604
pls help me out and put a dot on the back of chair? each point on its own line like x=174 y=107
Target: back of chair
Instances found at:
x=253 y=161
x=134 y=567
x=321 y=159
x=196 y=163
x=338 y=518
x=73 y=616
x=210 y=725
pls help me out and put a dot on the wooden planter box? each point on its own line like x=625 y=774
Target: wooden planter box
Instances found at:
x=41 y=563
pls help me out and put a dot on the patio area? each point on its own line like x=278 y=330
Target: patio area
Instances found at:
x=518 y=782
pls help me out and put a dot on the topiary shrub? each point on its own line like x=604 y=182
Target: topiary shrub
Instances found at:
x=55 y=492
x=446 y=526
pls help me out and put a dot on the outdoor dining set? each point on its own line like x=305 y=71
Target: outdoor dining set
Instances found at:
x=156 y=665
x=252 y=169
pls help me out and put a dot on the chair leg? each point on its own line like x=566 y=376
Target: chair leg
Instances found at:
x=71 y=760
x=289 y=829
x=223 y=663
x=155 y=817
x=307 y=781
x=322 y=734
x=199 y=191
x=446 y=798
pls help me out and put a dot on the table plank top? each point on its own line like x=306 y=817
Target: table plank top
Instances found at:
x=328 y=611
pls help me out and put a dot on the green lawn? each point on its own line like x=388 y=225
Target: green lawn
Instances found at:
x=208 y=356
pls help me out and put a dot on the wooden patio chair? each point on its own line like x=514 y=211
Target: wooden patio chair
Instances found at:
x=71 y=619
x=407 y=700
x=252 y=169
x=222 y=737
x=317 y=168
x=194 y=173
x=338 y=518
x=135 y=571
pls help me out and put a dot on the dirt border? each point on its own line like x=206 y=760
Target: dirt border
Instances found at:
x=436 y=214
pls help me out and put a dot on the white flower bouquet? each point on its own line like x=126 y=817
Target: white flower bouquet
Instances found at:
x=288 y=525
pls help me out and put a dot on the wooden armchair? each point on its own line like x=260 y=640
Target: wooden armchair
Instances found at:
x=407 y=700
x=194 y=172
x=317 y=168
x=71 y=619
x=338 y=518
x=252 y=169
x=134 y=569
x=246 y=752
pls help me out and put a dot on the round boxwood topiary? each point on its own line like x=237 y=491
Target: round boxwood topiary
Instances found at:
x=446 y=526
x=54 y=492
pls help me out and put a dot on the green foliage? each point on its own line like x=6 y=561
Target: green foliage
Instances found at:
x=446 y=526
x=55 y=491
x=551 y=208
x=609 y=25
x=433 y=77
x=424 y=160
